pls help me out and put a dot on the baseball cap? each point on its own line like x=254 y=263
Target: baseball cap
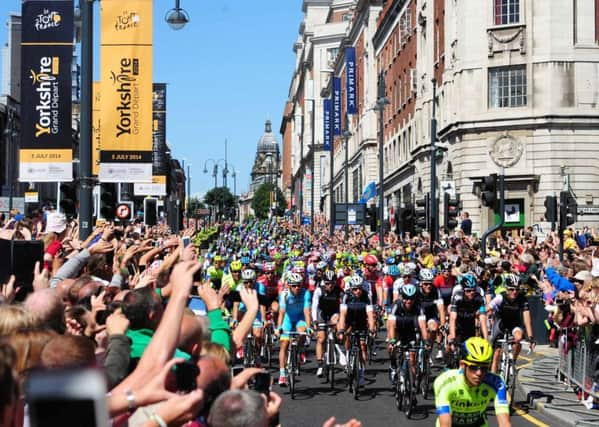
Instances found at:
x=56 y=222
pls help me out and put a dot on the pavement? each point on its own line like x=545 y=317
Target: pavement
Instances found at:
x=538 y=389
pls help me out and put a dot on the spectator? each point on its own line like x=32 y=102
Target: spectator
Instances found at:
x=239 y=408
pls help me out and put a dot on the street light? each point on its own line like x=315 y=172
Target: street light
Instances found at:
x=11 y=134
x=381 y=102
x=214 y=174
x=188 y=194
x=177 y=17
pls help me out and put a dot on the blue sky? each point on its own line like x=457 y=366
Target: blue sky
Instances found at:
x=227 y=70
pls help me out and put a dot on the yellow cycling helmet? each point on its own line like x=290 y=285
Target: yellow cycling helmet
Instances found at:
x=477 y=350
x=235 y=266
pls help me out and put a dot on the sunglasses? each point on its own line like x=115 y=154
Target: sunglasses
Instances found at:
x=269 y=272
x=468 y=291
x=248 y=281
x=512 y=289
x=329 y=283
x=235 y=271
x=427 y=284
x=476 y=368
x=294 y=286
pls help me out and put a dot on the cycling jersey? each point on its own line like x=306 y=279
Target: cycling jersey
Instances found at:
x=429 y=303
x=467 y=405
x=229 y=280
x=357 y=309
x=325 y=304
x=510 y=312
x=406 y=322
x=294 y=305
x=467 y=311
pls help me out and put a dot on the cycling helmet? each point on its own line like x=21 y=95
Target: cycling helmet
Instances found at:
x=248 y=274
x=510 y=280
x=217 y=258
x=245 y=260
x=426 y=275
x=295 y=279
x=390 y=260
x=408 y=291
x=299 y=269
x=477 y=350
x=330 y=276
x=235 y=266
x=370 y=260
x=356 y=281
x=393 y=271
x=269 y=266
x=408 y=269
x=321 y=265
x=468 y=281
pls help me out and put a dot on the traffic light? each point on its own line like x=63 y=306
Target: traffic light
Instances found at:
x=422 y=214
x=150 y=211
x=68 y=199
x=568 y=209
x=489 y=191
x=372 y=218
x=450 y=212
x=406 y=219
x=550 y=208
x=108 y=201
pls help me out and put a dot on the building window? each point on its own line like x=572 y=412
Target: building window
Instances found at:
x=507 y=12
x=507 y=86
x=356 y=185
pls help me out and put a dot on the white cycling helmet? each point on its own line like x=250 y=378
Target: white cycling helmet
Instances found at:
x=295 y=279
x=425 y=275
x=248 y=274
x=356 y=281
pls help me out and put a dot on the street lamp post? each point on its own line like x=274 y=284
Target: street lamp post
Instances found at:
x=214 y=174
x=434 y=207
x=381 y=102
x=187 y=212
x=10 y=133
x=346 y=135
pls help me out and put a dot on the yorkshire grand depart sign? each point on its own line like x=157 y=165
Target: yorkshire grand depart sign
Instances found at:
x=126 y=88
x=46 y=146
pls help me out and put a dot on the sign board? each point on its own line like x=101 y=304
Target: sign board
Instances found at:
x=31 y=197
x=123 y=211
x=355 y=214
x=18 y=203
x=588 y=210
x=155 y=188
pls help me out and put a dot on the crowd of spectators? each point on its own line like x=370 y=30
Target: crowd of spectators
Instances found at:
x=118 y=301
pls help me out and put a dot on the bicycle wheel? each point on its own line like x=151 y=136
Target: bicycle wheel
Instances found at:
x=331 y=363
x=291 y=371
x=511 y=383
x=247 y=353
x=268 y=346
x=356 y=374
x=409 y=394
x=399 y=391
x=424 y=375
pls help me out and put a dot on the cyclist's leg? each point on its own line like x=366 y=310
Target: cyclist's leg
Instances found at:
x=287 y=326
x=518 y=334
x=496 y=334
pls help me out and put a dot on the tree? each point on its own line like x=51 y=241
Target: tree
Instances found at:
x=195 y=204
x=261 y=204
x=222 y=202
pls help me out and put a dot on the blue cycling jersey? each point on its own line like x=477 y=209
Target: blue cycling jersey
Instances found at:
x=294 y=305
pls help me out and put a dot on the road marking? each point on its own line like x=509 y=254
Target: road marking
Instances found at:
x=530 y=418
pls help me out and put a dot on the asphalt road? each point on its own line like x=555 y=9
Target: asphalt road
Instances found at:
x=315 y=401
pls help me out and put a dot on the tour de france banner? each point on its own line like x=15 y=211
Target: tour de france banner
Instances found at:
x=96 y=100
x=126 y=87
x=46 y=147
x=350 y=81
x=326 y=146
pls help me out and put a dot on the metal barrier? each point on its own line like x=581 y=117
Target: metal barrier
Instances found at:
x=577 y=359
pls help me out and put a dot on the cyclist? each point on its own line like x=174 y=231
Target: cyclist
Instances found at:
x=248 y=277
x=374 y=278
x=270 y=282
x=392 y=275
x=294 y=315
x=462 y=395
x=325 y=310
x=216 y=271
x=431 y=304
x=445 y=282
x=406 y=320
x=465 y=311
x=356 y=313
x=511 y=310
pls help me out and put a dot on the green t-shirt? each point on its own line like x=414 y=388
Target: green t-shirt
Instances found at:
x=467 y=405
x=140 y=338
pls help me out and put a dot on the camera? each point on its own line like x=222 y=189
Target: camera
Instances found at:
x=102 y=315
x=261 y=383
x=186 y=374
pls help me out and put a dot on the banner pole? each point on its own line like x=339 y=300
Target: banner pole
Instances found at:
x=85 y=136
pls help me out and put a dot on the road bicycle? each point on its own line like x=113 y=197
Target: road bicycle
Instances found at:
x=330 y=355
x=405 y=385
x=424 y=369
x=354 y=362
x=269 y=338
x=507 y=364
x=293 y=365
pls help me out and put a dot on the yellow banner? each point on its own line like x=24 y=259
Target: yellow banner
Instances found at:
x=96 y=129
x=45 y=156
x=126 y=88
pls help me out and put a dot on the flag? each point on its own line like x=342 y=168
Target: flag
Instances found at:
x=368 y=193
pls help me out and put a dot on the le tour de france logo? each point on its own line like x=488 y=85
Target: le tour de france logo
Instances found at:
x=126 y=85
x=47 y=19
x=45 y=81
x=127 y=20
